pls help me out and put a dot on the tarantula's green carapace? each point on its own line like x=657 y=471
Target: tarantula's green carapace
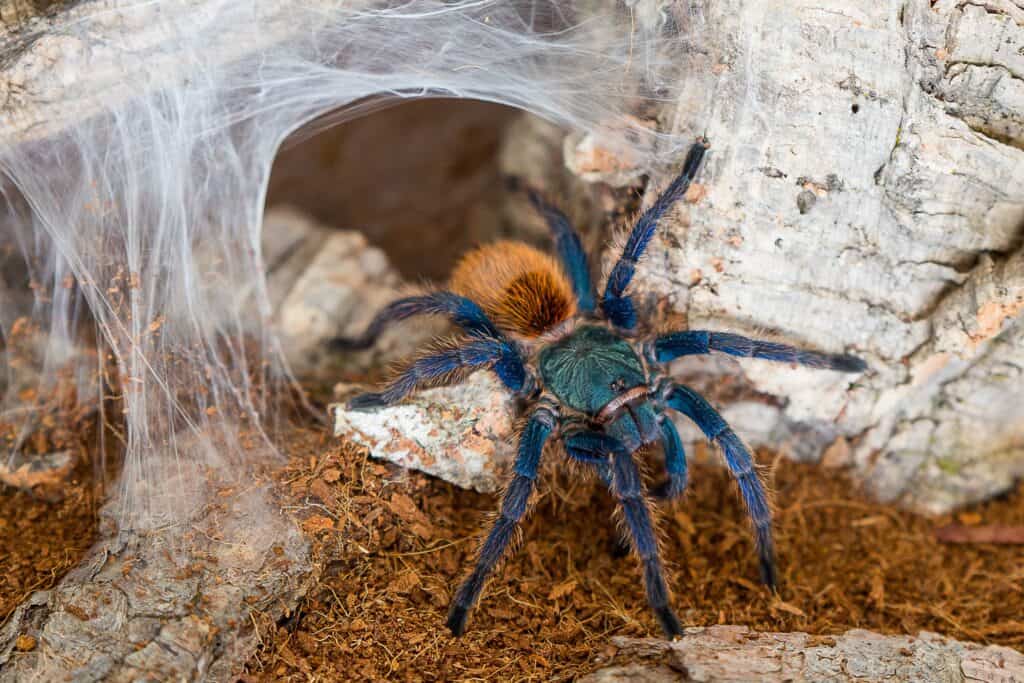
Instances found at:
x=588 y=376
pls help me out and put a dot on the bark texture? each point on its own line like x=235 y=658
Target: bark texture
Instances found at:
x=864 y=192
x=728 y=654
x=174 y=604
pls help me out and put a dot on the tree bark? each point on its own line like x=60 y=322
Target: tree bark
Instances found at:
x=724 y=654
x=864 y=192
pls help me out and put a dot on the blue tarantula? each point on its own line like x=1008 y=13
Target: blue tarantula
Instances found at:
x=586 y=375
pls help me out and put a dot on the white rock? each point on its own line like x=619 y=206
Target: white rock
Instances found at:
x=328 y=283
x=462 y=433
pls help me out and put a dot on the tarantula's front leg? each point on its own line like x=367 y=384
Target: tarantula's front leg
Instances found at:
x=610 y=455
x=740 y=463
x=591 y=448
x=692 y=342
x=627 y=486
x=615 y=303
x=513 y=508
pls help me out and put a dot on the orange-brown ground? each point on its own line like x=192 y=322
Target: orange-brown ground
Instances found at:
x=393 y=544
x=40 y=541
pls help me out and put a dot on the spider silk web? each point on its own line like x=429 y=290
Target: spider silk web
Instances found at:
x=135 y=149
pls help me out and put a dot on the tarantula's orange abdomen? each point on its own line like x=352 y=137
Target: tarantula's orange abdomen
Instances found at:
x=522 y=289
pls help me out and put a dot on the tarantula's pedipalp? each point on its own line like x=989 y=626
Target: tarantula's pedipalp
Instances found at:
x=740 y=462
x=442 y=366
x=462 y=311
x=692 y=342
x=675 y=462
x=513 y=508
x=598 y=392
x=627 y=486
x=569 y=248
x=617 y=306
x=590 y=448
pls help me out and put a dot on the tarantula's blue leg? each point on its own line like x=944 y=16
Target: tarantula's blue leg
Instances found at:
x=444 y=365
x=741 y=464
x=627 y=487
x=462 y=311
x=617 y=307
x=513 y=508
x=675 y=462
x=570 y=250
x=690 y=342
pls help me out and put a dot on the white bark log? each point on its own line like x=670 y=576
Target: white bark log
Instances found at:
x=865 y=191
x=728 y=654
x=178 y=603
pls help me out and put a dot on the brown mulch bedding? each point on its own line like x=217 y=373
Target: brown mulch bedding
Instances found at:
x=40 y=541
x=394 y=544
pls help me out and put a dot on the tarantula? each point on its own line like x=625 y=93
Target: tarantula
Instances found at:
x=585 y=375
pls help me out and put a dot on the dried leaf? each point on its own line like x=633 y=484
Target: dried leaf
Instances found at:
x=25 y=643
x=956 y=533
x=404 y=582
x=877 y=594
x=969 y=518
x=562 y=589
x=788 y=608
x=404 y=506
x=317 y=523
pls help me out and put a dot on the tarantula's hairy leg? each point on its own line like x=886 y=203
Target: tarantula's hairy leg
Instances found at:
x=688 y=402
x=444 y=365
x=595 y=449
x=671 y=346
x=462 y=311
x=513 y=507
x=570 y=250
x=675 y=462
x=627 y=487
x=617 y=306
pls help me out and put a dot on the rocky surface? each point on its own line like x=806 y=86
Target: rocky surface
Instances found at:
x=462 y=433
x=728 y=654
x=324 y=283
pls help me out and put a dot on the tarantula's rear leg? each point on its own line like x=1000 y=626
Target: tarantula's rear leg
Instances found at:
x=692 y=342
x=570 y=250
x=740 y=463
x=444 y=365
x=513 y=508
x=462 y=311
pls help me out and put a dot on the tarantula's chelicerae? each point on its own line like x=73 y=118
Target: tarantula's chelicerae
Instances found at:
x=587 y=376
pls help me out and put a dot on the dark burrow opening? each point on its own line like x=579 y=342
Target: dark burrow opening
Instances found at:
x=420 y=178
